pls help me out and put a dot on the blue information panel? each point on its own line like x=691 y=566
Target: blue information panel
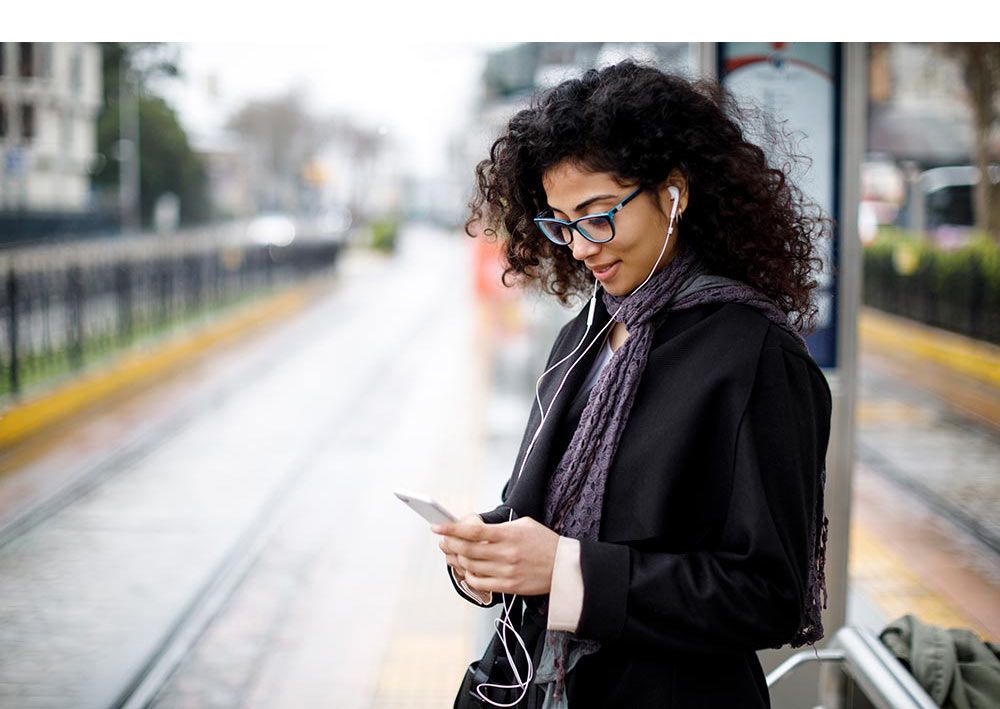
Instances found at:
x=800 y=84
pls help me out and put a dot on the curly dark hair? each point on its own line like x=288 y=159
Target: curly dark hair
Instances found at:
x=744 y=218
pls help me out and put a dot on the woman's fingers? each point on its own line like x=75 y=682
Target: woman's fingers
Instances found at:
x=488 y=583
x=472 y=528
x=463 y=565
x=492 y=569
x=509 y=557
x=473 y=550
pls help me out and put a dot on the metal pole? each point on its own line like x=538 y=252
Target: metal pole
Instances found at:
x=844 y=383
x=128 y=148
x=842 y=373
x=12 y=296
x=123 y=183
x=708 y=63
x=137 y=154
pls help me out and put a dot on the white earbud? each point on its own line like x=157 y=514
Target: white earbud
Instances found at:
x=676 y=194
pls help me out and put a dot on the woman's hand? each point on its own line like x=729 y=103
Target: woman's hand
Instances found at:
x=511 y=557
x=451 y=558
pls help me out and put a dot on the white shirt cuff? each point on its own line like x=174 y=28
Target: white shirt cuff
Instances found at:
x=482 y=597
x=566 y=595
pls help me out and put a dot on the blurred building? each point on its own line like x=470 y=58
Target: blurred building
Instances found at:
x=50 y=96
x=919 y=107
x=920 y=169
x=512 y=74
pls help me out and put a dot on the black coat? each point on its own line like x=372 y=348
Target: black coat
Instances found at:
x=702 y=554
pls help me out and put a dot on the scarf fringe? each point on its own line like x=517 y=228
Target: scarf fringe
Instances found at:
x=811 y=624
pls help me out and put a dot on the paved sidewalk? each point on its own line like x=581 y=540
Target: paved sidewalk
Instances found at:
x=925 y=533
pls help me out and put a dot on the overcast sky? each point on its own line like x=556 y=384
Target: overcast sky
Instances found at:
x=421 y=93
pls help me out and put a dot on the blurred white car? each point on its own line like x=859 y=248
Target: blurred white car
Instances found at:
x=272 y=229
x=940 y=203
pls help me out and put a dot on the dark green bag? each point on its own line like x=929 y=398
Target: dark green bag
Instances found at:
x=953 y=665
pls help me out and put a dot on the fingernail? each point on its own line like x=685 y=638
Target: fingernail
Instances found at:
x=436 y=528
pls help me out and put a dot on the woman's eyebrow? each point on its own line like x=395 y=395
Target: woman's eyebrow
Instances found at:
x=584 y=203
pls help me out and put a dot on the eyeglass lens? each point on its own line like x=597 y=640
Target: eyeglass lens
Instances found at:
x=597 y=228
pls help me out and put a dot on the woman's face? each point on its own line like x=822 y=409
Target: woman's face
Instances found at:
x=640 y=226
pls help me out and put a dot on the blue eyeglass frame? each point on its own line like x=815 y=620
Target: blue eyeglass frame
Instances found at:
x=610 y=214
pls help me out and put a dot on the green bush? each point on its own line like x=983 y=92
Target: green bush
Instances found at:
x=384 y=232
x=957 y=289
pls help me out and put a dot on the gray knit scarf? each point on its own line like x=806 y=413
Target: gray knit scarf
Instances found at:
x=575 y=493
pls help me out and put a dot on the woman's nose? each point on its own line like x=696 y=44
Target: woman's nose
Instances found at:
x=583 y=248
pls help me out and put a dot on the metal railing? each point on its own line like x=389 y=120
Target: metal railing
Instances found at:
x=860 y=672
x=65 y=306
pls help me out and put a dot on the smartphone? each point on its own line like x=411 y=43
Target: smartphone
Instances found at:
x=427 y=508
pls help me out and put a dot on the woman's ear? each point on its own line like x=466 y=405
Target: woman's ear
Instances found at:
x=675 y=179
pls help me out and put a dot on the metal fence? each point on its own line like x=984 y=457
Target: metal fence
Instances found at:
x=65 y=306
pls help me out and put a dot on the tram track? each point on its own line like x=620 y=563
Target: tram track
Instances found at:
x=966 y=522
x=237 y=563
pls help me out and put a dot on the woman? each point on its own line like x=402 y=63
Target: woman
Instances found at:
x=664 y=519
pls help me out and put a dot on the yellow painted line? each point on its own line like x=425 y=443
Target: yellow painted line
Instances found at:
x=23 y=420
x=868 y=412
x=961 y=354
x=887 y=581
x=423 y=668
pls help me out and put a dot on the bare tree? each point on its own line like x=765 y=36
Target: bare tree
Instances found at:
x=980 y=63
x=284 y=138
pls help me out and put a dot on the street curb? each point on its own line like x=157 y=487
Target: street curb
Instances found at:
x=133 y=370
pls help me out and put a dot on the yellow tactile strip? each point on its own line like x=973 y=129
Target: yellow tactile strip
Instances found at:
x=877 y=411
x=436 y=633
x=25 y=419
x=888 y=582
x=965 y=355
x=423 y=670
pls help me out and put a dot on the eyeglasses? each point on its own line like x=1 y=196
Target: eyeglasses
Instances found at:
x=597 y=228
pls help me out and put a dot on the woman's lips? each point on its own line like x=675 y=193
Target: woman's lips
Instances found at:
x=608 y=272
